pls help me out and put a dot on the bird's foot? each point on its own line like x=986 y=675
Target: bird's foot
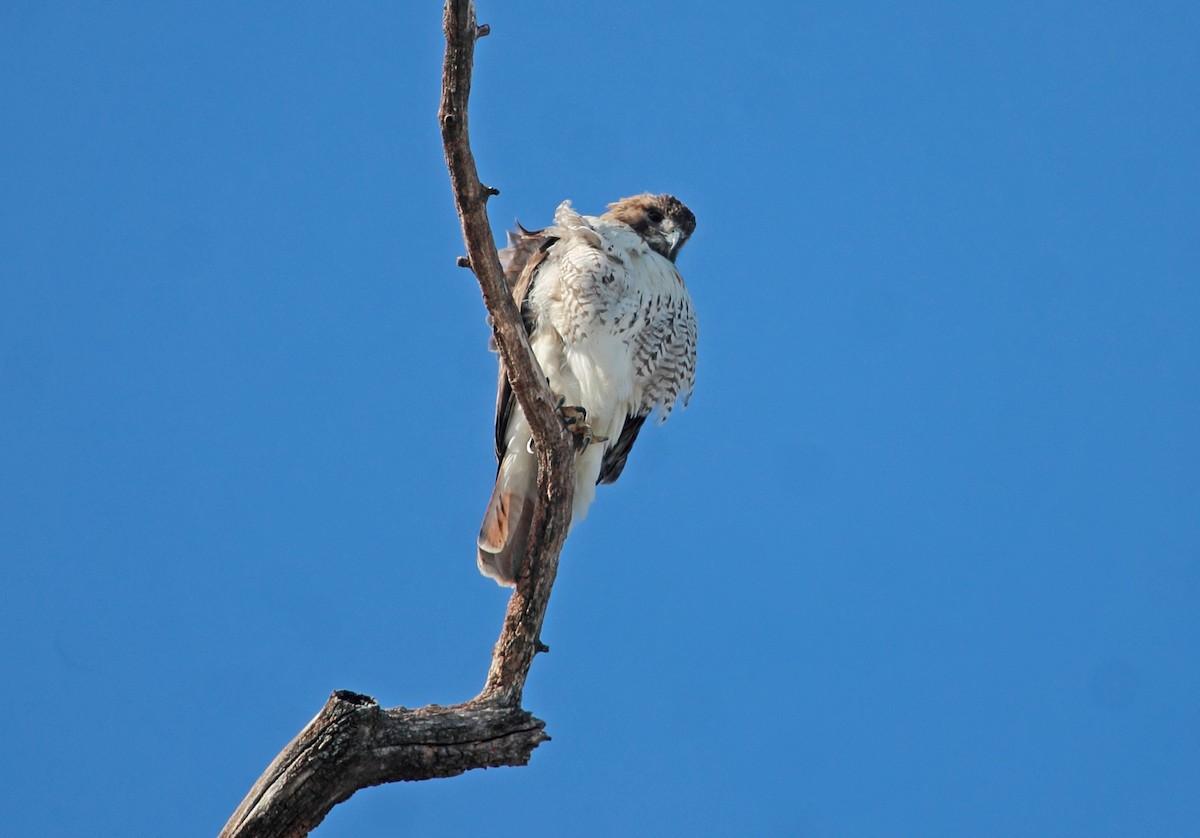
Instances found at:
x=574 y=419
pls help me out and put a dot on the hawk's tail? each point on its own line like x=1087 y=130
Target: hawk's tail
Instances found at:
x=505 y=530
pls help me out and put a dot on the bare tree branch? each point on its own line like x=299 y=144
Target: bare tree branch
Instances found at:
x=353 y=743
x=519 y=640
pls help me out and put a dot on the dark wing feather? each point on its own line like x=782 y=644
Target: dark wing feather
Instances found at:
x=520 y=260
x=615 y=457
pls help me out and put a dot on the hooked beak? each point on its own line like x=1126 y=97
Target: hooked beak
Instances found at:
x=674 y=242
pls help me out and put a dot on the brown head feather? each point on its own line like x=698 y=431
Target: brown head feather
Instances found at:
x=662 y=220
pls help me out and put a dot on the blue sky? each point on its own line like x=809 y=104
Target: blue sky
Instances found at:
x=922 y=556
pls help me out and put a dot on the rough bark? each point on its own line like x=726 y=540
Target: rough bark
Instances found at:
x=519 y=640
x=353 y=743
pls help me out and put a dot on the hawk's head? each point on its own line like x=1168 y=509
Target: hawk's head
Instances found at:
x=662 y=220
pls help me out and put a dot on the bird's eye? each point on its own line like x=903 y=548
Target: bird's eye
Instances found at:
x=655 y=216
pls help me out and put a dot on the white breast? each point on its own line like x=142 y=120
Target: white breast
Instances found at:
x=614 y=330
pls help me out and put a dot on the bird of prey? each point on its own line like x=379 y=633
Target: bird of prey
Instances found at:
x=611 y=324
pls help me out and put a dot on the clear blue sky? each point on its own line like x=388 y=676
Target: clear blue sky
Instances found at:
x=922 y=557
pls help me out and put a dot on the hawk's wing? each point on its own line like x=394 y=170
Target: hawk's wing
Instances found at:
x=525 y=252
x=667 y=357
x=615 y=457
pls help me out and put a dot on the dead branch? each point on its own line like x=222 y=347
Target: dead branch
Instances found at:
x=353 y=743
x=519 y=640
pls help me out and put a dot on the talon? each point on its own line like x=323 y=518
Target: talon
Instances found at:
x=571 y=415
x=574 y=421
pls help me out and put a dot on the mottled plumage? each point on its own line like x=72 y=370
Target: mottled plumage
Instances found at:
x=611 y=323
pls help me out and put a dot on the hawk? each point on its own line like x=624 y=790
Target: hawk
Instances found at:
x=611 y=323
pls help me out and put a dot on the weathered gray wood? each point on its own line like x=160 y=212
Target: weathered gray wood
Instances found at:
x=353 y=743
